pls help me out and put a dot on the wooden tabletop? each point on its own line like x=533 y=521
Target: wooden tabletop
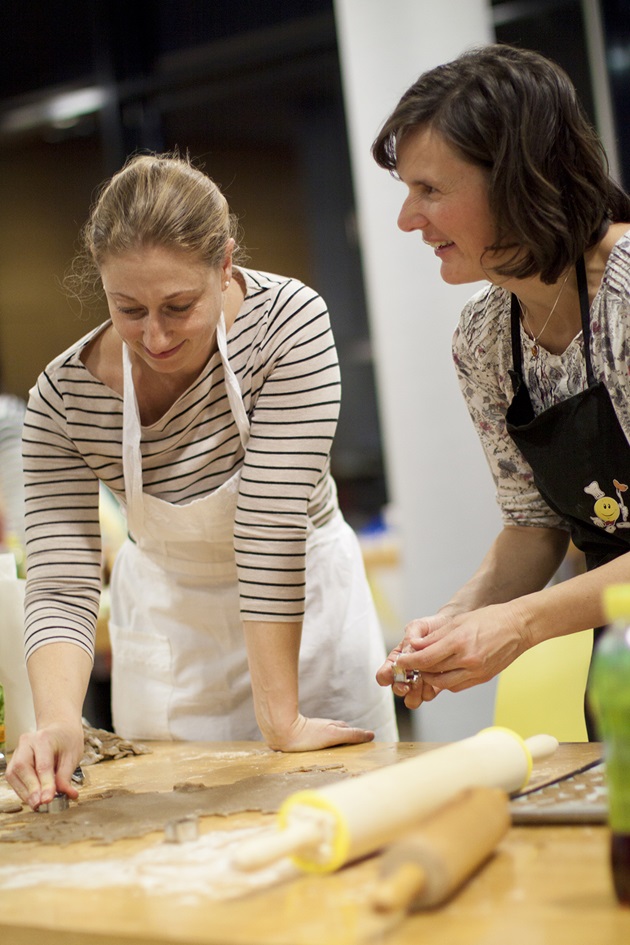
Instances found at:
x=546 y=885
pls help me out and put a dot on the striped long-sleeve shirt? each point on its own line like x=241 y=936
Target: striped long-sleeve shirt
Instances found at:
x=283 y=354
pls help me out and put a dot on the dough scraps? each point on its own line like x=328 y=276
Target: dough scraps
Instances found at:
x=119 y=814
x=101 y=745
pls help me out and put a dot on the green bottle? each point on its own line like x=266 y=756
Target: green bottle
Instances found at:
x=609 y=696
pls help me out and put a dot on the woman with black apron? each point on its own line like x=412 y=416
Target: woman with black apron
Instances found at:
x=573 y=447
x=508 y=183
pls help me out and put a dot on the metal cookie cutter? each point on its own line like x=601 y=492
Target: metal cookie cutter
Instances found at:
x=182 y=829
x=59 y=802
x=406 y=676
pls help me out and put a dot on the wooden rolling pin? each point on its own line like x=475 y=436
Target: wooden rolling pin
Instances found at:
x=437 y=857
x=324 y=829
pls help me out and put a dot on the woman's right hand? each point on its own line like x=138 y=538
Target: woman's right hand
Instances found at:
x=43 y=763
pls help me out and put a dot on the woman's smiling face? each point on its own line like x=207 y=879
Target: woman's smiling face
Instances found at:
x=165 y=305
x=448 y=203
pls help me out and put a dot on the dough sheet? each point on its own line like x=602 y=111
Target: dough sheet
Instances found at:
x=118 y=814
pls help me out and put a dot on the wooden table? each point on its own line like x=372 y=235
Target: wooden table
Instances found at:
x=544 y=886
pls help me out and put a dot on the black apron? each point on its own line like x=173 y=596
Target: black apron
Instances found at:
x=579 y=455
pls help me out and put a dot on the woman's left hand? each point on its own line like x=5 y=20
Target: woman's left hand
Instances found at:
x=418 y=691
x=311 y=734
x=462 y=650
x=273 y=652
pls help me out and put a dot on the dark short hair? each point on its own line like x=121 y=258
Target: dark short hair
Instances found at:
x=517 y=114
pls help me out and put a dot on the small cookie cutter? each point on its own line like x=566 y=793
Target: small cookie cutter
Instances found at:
x=406 y=676
x=59 y=802
x=182 y=829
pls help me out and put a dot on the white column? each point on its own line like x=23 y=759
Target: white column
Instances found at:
x=439 y=482
x=604 y=111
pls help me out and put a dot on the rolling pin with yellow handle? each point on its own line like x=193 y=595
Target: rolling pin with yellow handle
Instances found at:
x=441 y=853
x=324 y=829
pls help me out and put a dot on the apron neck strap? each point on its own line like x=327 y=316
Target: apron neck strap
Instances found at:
x=131 y=452
x=132 y=428
x=235 y=398
x=515 y=328
x=585 y=315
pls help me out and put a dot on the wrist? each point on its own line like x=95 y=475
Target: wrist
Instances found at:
x=450 y=610
x=276 y=721
x=64 y=713
x=60 y=720
x=287 y=737
x=524 y=619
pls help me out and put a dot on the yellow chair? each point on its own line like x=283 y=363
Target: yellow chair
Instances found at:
x=543 y=690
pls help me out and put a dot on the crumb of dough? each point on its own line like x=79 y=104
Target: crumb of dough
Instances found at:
x=10 y=807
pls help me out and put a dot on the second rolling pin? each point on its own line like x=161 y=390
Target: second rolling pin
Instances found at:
x=437 y=857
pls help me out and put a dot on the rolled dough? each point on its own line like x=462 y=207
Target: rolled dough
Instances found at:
x=117 y=814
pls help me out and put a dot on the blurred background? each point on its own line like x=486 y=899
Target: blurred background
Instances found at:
x=264 y=93
x=252 y=90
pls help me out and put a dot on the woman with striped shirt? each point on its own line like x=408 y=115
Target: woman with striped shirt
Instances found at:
x=207 y=404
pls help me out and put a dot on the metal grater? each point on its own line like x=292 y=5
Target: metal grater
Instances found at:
x=580 y=797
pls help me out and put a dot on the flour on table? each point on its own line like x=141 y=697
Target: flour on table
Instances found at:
x=199 y=868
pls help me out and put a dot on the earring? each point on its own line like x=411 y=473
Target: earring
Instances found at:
x=226 y=285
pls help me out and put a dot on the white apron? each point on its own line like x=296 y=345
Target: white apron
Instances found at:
x=179 y=659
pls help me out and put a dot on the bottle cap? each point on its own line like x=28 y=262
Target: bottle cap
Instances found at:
x=616 y=601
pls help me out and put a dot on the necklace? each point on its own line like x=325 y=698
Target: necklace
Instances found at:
x=536 y=338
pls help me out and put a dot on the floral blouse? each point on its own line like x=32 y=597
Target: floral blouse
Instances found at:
x=483 y=357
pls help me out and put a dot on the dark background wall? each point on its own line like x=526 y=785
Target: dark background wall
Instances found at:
x=252 y=91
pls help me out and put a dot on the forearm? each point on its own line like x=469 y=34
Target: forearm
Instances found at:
x=521 y=561
x=59 y=674
x=571 y=605
x=273 y=652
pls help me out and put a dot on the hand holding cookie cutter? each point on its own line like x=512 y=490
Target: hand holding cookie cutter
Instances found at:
x=406 y=676
x=59 y=802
